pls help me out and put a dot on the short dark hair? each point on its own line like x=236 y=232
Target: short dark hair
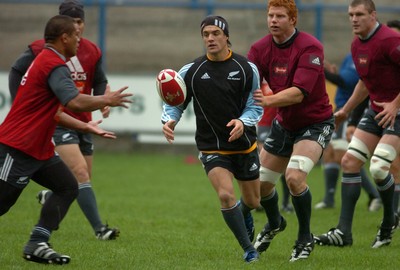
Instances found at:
x=369 y=4
x=57 y=26
x=394 y=24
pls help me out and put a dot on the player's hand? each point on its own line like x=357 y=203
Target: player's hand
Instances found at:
x=387 y=116
x=237 y=130
x=93 y=127
x=105 y=112
x=168 y=130
x=340 y=117
x=118 y=98
x=260 y=95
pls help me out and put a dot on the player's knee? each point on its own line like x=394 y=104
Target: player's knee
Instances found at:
x=81 y=174
x=267 y=175
x=253 y=202
x=69 y=193
x=358 y=149
x=295 y=180
x=381 y=160
x=226 y=198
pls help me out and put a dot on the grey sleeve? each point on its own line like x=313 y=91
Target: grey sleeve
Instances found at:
x=14 y=80
x=18 y=69
x=99 y=80
x=62 y=85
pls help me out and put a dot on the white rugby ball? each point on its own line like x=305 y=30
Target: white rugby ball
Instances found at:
x=171 y=87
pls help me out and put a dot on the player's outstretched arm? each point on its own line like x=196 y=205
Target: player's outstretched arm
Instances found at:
x=90 y=127
x=84 y=102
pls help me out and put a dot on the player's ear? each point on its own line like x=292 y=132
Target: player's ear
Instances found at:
x=64 y=38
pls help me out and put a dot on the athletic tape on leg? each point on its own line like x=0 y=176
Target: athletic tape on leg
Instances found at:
x=358 y=149
x=381 y=160
x=267 y=175
x=301 y=163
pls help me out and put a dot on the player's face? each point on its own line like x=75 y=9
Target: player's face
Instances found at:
x=72 y=42
x=215 y=41
x=361 y=20
x=280 y=25
x=81 y=25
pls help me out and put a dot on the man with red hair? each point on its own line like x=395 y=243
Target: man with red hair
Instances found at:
x=292 y=63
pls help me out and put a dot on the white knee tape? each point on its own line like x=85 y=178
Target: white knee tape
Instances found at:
x=301 y=163
x=340 y=144
x=381 y=160
x=266 y=175
x=358 y=149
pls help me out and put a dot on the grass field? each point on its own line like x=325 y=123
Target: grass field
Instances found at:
x=169 y=218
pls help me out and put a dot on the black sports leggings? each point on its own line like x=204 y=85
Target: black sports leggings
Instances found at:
x=56 y=177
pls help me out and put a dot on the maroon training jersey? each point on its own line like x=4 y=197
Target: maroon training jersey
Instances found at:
x=377 y=61
x=298 y=62
x=30 y=124
x=82 y=67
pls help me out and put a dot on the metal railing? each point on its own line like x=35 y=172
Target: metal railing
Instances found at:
x=209 y=6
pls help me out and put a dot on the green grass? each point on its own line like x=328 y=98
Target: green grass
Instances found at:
x=169 y=218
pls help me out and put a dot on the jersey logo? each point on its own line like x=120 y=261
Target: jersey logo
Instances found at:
x=205 y=76
x=280 y=69
x=77 y=73
x=363 y=59
x=231 y=76
x=315 y=60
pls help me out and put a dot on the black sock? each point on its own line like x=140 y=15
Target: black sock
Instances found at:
x=285 y=192
x=39 y=234
x=87 y=202
x=331 y=174
x=386 y=190
x=396 y=197
x=368 y=186
x=302 y=206
x=271 y=208
x=244 y=208
x=351 y=189
x=234 y=219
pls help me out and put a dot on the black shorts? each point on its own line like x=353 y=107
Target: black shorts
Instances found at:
x=64 y=136
x=280 y=141
x=262 y=133
x=245 y=167
x=370 y=125
x=17 y=167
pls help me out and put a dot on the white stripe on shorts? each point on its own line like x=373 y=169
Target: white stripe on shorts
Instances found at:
x=5 y=170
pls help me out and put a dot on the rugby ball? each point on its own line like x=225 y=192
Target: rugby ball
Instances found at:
x=171 y=87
